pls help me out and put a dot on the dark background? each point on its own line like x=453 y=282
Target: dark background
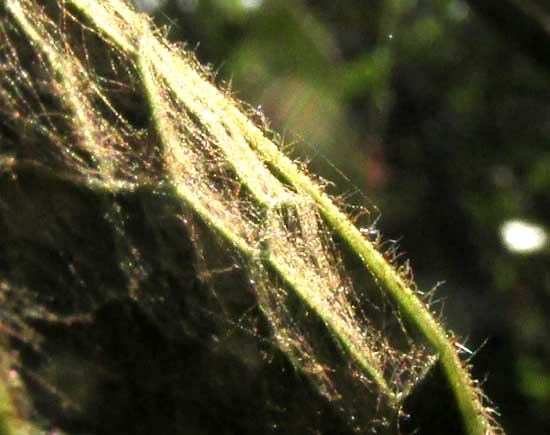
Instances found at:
x=437 y=112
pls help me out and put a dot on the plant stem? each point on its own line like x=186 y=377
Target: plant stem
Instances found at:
x=254 y=158
x=7 y=410
x=466 y=394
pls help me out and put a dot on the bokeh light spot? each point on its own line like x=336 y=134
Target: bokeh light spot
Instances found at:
x=523 y=237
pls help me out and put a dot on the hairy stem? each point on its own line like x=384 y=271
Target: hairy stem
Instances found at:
x=209 y=118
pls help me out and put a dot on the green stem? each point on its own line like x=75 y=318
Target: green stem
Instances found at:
x=171 y=147
x=467 y=396
x=129 y=32
x=7 y=411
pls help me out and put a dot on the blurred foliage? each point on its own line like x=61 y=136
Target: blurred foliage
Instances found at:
x=437 y=113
